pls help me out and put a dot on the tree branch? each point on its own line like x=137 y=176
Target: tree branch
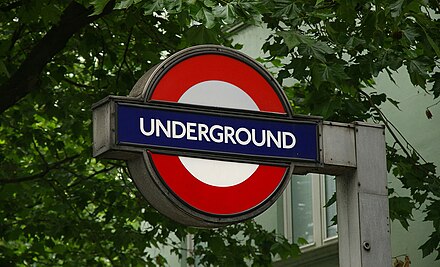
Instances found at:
x=124 y=57
x=26 y=78
x=77 y=84
x=391 y=128
x=436 y=103
x=46 y=165
x=83 y=178
x=40 y=175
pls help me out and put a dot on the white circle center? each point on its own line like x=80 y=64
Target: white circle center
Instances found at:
x=218 y=94
x=218 y=173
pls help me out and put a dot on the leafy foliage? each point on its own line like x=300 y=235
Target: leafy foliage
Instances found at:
x=220 y=247
x=58 y=206
x=336 y=49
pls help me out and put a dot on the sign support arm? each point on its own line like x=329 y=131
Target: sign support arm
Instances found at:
x=362 y=203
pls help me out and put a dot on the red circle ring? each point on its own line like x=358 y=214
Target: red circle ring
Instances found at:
x=167 y=83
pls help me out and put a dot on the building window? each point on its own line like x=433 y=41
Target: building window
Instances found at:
x=331 y=229
x=302 y=208
x=305 y=214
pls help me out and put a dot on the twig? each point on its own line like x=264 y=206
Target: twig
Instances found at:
x=46 y=165
x=436 y=103
x=40 y=175
x=124 y=57
x=83 y=178
x=391 y=128
x=77 y=84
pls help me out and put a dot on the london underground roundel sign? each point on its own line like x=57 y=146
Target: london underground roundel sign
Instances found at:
x=208 y=136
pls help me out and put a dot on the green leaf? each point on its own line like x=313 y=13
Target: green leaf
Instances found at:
x=320 y=49
x=302 y=241
x=4 y=69
x=98 y=6
x=292 y=38
x=210 y=3
x=418 y=72
x=226 y=12
x=410 y=34
x=401 y=209
x=354 y=42
x=318 y=2
x=331 y=201
x=216 y=243
x=328 y=73
x=201 y=35
x=50 y=14
x=378 y=99
x=422 y=21
x=124 y=4
x=431 y=244
x=286 y=8
x=317 y=49
x=394 y=102
x=174 y=6
x=434 y=213
x=436 y=86
x=300 y=68
x=433 y=45
x=396 y=8
x=153 y=6
x=207 y=17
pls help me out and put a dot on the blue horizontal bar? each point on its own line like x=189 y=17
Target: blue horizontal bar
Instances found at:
x=247 y=136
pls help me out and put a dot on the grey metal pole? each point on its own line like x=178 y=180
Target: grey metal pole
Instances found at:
x=362 y=202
